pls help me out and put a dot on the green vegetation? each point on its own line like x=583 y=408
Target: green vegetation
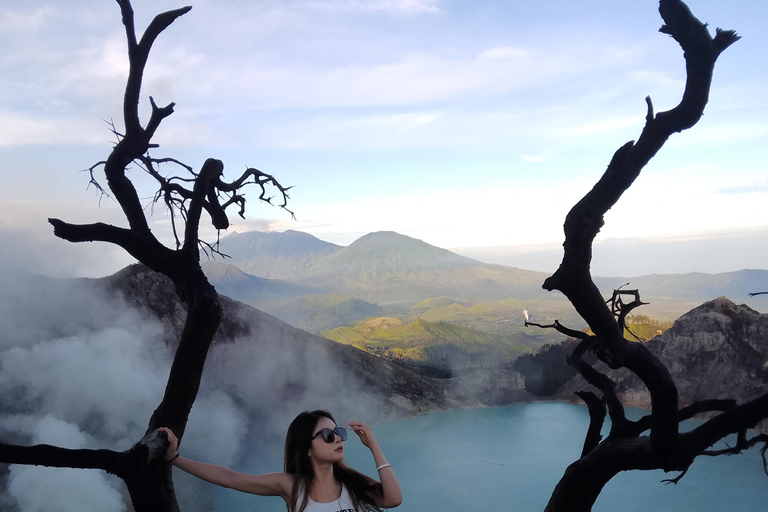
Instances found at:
x=433 y=302
x=644 y=327
x=427 y=345
x=548 y=369
x=505 y=317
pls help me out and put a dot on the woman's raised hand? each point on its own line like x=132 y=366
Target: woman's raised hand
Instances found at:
x=173 y=443
x=364 y=432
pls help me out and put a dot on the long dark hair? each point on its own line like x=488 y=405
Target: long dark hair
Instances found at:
x=298 y=440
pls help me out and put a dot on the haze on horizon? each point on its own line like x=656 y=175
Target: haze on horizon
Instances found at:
x=471 y=127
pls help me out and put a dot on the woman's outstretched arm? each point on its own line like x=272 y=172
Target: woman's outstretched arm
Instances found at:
x=390 y=496
x=272 y=484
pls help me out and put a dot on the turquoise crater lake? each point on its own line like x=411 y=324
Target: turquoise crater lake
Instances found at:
x=510 y=458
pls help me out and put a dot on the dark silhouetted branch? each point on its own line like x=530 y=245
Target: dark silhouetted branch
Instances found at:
x=596 y=408
x=665 y=448
x=585 y=219
x=732 y=421
x=561 y=329
x=52 y=456
x=686 y=413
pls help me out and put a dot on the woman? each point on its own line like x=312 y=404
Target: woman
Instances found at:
x=315 y=478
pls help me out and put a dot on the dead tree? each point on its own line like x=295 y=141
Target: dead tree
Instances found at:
x=653 y=442
x=186 y=194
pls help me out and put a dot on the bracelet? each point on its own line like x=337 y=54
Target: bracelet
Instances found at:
x=173 y=458
x=385 y=465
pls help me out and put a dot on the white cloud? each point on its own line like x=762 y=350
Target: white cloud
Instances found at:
x=724 y=133
x=504 y=52
x=542 y=157
x=755 y=187
x=396 y=6
x=25 y=20
x=599 y=126
x=18 y=129
x=481 y=215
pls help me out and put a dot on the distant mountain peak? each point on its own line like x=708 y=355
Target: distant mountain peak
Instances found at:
x=218 y=271
x=289 y=241
x=391 y=251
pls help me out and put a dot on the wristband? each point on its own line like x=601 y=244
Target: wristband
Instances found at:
x=173 y=458
x=385 y=465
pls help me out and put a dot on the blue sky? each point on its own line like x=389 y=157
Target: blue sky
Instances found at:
x=473 y=126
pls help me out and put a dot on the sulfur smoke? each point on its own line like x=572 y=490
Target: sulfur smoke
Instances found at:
x=80 y=368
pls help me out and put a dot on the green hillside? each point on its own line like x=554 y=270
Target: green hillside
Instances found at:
x=433 y=302
x=645 y=327
x=505 y=317
x=439 y=346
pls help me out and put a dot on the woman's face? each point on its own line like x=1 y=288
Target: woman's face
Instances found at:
x=322 y=451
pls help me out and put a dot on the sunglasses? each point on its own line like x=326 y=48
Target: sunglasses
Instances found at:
x=328 y=434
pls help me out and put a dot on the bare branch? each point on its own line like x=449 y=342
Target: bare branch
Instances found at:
x=209 y=173
x=686 y=413
x=93 y=181
x=585 y=219
x=560 y=328
x=148 y=251
x=259 y=178
x=601 y=382
x=676 y=479
x=138 y=54
x=742 y=444
x=732 y=421
x=596 y=408
x=52 y=456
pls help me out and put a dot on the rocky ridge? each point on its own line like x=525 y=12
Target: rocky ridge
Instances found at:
x=717 y=350
x=394 y=391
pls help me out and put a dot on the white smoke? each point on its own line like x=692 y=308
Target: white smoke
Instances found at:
x=38 y=489
x=80 y=368
x=103 y=377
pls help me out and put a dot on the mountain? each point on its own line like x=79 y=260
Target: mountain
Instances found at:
x=386 y=267
x=716 y=350
x=695 y=285
x=236 y=284
x=671 y=295
x=257 y=360
x=320 y=312
x=389 y=267
x=387 y=251
x=295 y=304
x=381 y=267
x=387 y=274
x=296 y=364
x=275 y=255
x=431 y=348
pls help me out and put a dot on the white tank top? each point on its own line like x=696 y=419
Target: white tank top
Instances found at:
x=342 y=504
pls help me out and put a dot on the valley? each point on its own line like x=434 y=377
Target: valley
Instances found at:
x=386 y=277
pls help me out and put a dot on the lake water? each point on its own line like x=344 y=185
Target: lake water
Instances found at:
x=510 y=458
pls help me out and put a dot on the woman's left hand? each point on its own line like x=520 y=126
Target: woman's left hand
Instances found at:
x=364 y=432
x=390 y=489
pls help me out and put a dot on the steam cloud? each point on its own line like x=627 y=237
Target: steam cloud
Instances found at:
x=82 y=369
